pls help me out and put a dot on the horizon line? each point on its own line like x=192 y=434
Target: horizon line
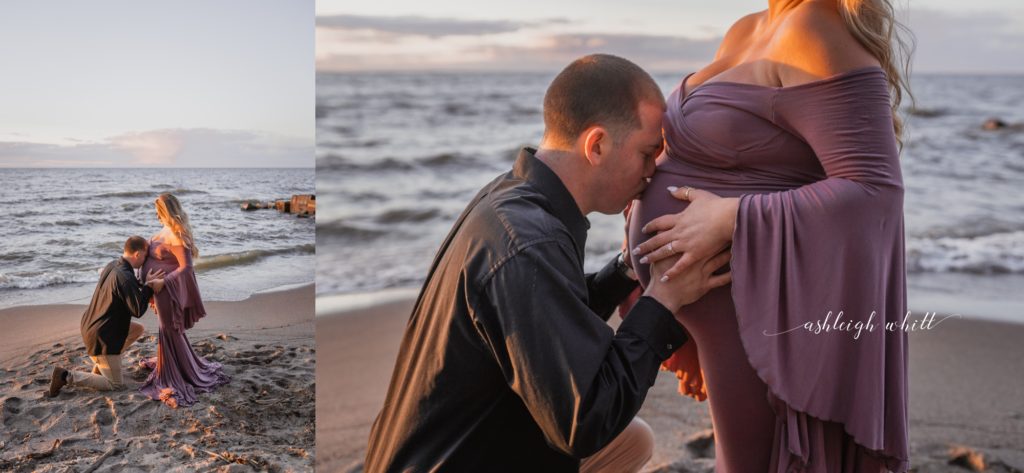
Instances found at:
x=651 y=71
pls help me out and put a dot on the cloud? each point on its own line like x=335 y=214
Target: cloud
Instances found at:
x=656 y=52
x=984 y=41
x=28 y=154
x=544 y=53
x=186 y=147
x=158 y=147
x=424 y=26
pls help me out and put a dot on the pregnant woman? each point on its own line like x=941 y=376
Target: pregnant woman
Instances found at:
x=786 y=148
x=178 y=372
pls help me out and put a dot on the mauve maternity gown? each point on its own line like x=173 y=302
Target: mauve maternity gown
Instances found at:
x=819 y=229
x=179 y=306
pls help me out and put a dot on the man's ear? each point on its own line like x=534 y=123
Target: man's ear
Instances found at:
x=596 y=143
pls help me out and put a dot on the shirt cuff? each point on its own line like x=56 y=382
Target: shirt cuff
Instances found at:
x=655 y=324
x=609 y=281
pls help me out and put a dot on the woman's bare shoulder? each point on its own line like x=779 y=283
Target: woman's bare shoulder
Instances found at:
x=171 y=239
x=739 y=34
x=813 y=42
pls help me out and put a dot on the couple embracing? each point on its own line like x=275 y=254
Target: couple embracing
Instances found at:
x=769 y=193
x=170 y=287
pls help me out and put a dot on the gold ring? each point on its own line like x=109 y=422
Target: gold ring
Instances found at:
x=670 y=250
x=687 y=194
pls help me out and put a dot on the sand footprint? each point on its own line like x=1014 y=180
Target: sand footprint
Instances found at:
x=38 y=412
x=10 y=408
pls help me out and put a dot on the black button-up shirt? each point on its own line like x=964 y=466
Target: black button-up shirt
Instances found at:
x=117 y=298
x=507 y=363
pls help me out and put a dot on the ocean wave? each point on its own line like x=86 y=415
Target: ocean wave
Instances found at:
x=111 y=246
x=181 y=191
x=407 y=215
x=150 y=193
x=437 y=161
x=128 y=194
x=525 y=111
x=345 y=130
x=460 y=109
x=348 y=230
x=249 y=256
x=448 y=159
x=90 y=221
x=973 y=226
x=998 y=253
x=927 y=112
x=365 y=196
x=62 y=242
x=45 y=279
x=338 y=163
x=365 y=143
x=58 y=199
x=15 y=257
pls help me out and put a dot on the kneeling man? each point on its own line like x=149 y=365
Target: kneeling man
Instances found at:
x=107 y=327
x=507 y=362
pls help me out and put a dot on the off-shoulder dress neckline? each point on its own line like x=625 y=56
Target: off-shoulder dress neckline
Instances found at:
x=684 y=95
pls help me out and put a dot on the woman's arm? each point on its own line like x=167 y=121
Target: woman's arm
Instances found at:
x=184 y=262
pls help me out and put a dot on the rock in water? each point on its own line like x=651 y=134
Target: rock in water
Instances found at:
x=702 y=444
x=967 y=458
x=993 y=124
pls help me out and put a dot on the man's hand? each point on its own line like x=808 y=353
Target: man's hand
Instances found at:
x=157 y=274
x=690 y=284
x=156 y=284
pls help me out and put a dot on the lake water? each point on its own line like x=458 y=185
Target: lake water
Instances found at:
x=62 y=225
x=400 y=155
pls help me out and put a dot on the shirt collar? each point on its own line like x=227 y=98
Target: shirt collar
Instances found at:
x=562 y=204
x=125 y=264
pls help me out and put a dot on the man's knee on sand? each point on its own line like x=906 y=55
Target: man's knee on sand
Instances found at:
x=135 y=332
x=628 y=452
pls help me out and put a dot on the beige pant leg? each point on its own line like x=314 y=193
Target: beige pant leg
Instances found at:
x=109 y=378
x=135 y=331
x=628 y=452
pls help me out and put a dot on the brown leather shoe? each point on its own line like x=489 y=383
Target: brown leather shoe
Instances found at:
x=58 y=379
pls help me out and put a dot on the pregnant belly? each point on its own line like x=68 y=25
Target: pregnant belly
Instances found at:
x=704 y=318
x=153 y=264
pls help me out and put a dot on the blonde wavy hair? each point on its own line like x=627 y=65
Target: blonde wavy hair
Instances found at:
x=171 y=214
x=874 y=24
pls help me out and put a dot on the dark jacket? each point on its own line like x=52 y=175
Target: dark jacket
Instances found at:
x=507 y=363
x=118 y=297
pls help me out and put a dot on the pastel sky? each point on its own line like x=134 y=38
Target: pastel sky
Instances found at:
x=953 y=36
x=186 y=83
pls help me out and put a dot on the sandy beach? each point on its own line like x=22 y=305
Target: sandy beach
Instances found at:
x=261 y=421
x=967 y=413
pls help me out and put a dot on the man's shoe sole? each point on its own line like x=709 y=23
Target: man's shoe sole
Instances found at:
x=56 y=381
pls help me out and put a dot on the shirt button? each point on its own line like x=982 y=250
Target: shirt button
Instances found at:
x=669 y=346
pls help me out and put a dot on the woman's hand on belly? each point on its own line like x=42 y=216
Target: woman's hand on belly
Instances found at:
x=699 y=232
x=154 y=274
